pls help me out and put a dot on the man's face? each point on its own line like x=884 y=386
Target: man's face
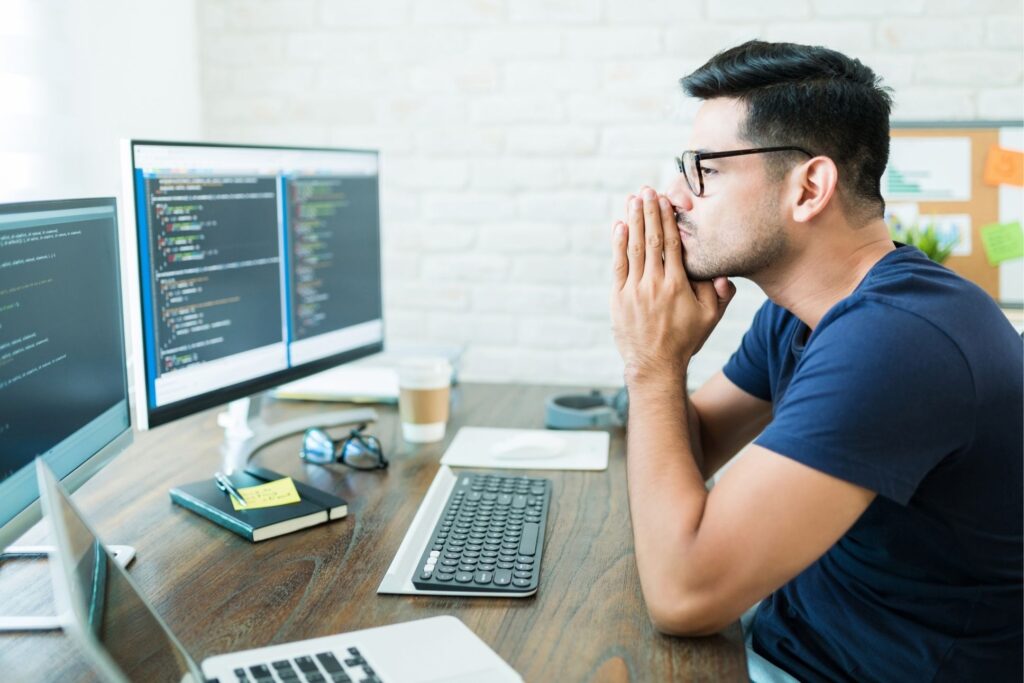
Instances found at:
x=736 y=228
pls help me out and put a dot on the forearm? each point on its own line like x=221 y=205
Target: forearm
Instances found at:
x=666 y=488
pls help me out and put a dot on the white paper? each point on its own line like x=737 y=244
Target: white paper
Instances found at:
x=345 y=383
x=1011 y=208
x=908 y=213
x=953 y=227
x=533 y=449
x=933 y=169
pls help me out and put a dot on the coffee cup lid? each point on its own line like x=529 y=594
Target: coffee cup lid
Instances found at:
x=424 y=372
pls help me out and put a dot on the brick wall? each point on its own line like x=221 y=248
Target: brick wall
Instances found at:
x=511 y=130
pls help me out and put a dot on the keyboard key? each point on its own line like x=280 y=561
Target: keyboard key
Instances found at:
x=260 y=671
x=528 y=544
x=482 y=577
x=463 y=577
x=502 y=577
x=522 y=583
x=307 y=665
x=329 y=662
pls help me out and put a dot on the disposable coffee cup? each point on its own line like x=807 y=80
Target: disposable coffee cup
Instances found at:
x=424 y=388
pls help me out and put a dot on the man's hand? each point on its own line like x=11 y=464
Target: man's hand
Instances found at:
x=660 y=319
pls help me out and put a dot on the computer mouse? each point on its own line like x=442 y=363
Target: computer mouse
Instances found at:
x=529 y=446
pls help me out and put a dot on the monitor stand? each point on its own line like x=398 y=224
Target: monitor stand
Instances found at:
x=123 y=555
x=245 y=431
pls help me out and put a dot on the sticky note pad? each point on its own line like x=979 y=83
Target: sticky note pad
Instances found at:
x=271 y=494
x=1002 y=242
x=1004 y=167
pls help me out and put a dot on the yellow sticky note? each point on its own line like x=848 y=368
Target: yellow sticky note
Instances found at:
x=1004 y=167
x=1002 y=242
x=271 y=494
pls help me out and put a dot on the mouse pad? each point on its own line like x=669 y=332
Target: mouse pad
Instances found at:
x=528 y=449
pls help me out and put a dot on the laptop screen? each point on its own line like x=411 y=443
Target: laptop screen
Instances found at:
x=109 y=618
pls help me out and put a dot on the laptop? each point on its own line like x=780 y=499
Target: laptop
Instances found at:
x=118 y=631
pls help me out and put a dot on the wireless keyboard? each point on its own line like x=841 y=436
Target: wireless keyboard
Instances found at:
x=489 y=537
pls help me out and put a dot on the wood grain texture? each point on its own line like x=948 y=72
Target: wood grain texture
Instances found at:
x=219 y=592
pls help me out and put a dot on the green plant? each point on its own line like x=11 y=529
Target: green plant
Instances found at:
x=925 y=237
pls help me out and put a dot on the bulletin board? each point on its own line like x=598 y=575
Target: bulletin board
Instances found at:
x=967 y=179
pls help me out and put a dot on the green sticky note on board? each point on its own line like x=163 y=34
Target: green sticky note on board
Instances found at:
x=1002 y=242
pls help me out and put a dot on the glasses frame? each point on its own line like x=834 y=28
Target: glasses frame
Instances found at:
x=369 y=442
x=702 y=156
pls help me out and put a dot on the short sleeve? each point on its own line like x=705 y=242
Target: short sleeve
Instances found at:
x=878 y=399
x=748 y=366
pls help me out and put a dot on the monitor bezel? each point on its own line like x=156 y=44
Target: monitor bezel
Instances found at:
x=21 y=522
x=147 y=417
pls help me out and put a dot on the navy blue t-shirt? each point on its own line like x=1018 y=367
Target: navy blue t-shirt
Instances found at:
x=912 y=387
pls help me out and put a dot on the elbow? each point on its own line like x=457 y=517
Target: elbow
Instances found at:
x=687 y=615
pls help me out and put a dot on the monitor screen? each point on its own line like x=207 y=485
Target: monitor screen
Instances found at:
x=256 y=266
x=63 y=385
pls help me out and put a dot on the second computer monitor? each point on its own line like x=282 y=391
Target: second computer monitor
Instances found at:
x=255 y=266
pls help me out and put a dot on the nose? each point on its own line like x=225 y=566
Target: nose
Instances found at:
x=679 y=193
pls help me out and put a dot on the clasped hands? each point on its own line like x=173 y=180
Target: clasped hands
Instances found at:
x=660 y=318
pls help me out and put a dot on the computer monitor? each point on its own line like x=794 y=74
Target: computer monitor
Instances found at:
x=63 y=382
x=255 y=266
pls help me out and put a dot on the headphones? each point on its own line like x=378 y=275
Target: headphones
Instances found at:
x=576 y=411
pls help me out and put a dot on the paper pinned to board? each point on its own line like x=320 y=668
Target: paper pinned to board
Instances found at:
x=928 y=169
x=1004 y=167
x=1003 y=242
x=532 y=449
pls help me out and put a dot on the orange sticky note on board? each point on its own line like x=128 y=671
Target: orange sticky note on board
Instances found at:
x=1004 y=167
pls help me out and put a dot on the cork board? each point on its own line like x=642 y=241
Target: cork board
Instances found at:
x=947 y=147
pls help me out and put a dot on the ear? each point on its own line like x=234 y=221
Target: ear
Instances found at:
x=813 y=187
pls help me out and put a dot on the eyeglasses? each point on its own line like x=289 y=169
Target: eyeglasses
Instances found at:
x=689 y=163
x=357 y=450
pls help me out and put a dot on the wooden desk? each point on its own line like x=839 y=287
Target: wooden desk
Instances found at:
x=219 y=593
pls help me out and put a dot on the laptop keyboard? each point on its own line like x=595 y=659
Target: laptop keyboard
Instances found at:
x=321 y=668
x=489 y=537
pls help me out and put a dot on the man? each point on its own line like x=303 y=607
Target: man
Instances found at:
x=878 y=511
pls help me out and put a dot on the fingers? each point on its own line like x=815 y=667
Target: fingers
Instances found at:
x=620 y=268
x=654 y=238
x=635 y=244
x=714 y=296
x=706 y=295
x=725 y=290
x=673 y=245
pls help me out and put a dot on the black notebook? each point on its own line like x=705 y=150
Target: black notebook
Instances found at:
x=205 y=499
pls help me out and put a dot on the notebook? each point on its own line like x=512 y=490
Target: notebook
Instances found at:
x=206 y=500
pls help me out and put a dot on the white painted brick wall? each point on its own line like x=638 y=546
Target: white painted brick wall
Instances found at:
x=511 y=131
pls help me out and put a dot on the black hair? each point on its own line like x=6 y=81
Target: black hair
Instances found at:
x=811 y=97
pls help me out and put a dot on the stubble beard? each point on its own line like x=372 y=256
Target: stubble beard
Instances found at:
x=754 y=248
